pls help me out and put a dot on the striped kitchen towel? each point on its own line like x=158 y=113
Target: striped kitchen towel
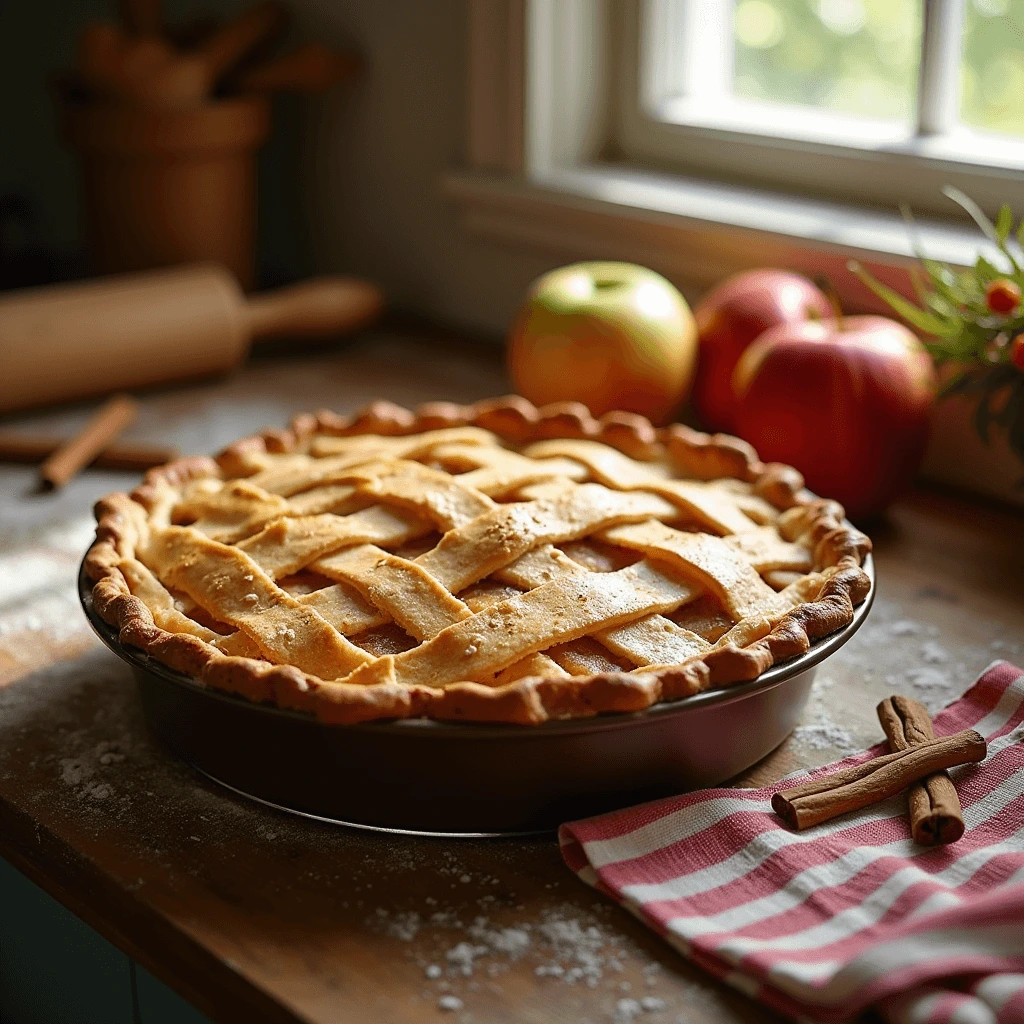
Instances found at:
x=852 y=914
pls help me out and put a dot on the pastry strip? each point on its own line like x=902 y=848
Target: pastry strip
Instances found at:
x=341 y=499
x=288 y=545
x=427 y=492
x=531 y=665
x=398 y=587
x=767 y=552
x=145 y=586
x=231 y=586
x=496 y=471
x=505 y=632
x=705 y=558
x=297 y=474
x=493 y=541
x=345 y=609
x=653 y=640
x=712 y=507
x=227 y=512
x=647 y=641
x=410 y=446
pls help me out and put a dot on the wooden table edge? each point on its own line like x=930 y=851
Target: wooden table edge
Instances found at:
x=167 y=952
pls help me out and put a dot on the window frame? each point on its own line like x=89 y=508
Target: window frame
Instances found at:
x=543 y=171
x=884 y=172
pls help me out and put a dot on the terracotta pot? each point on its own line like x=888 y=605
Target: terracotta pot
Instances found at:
x=163 y=187
x=957 y=456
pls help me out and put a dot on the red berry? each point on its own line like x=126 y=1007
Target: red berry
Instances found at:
x=1017 y=352
x=1002 y=296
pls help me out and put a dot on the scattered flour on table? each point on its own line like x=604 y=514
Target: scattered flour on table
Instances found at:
x=38 y=589
x=928 y=680
x=88 y=773
x=578 y=951
x=905 y=627
x=821 y=731
x=896 y=653
x=915 y=662
x=931 y=675
x=463 y=957
x=933 y=653
x=566 y=946
x=826 y=735
x=627 y=1010
x=404 y=925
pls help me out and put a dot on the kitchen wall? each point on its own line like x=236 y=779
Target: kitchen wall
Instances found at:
x=349 y=182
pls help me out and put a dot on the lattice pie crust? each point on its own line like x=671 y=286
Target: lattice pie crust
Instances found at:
x=494 y=562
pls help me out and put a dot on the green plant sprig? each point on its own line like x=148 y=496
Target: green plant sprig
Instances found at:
x=959 y=327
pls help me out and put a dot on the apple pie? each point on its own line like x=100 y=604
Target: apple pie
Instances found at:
x=487 y=563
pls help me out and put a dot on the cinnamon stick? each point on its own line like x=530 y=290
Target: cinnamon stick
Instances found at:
x=34 y=448
x=74 y=456
x=935 y=812
x=852 y=788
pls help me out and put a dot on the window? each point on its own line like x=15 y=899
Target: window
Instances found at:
x=703 y=137
x=876 y=101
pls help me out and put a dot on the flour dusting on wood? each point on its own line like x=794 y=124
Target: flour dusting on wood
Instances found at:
x=38 y=585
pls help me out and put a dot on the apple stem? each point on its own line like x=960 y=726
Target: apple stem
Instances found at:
x=832 y=295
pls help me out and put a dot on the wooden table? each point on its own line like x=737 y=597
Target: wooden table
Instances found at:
x=256 y=915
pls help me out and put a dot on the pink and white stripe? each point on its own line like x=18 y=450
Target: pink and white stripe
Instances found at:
x=824 y=924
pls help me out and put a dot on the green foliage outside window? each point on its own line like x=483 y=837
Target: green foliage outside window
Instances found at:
x=860 y=57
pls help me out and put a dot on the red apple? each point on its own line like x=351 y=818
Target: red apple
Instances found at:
x=731 y=317
x=610 y=335
x=844 y=401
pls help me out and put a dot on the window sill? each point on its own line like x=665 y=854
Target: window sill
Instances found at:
x=698 y=232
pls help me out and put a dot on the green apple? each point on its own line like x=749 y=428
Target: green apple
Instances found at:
x=609 y=335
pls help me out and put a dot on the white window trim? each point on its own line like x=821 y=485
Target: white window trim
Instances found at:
x=814 y=151
x=535 y=134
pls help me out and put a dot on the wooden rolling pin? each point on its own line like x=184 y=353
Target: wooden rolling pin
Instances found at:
x=72 y=341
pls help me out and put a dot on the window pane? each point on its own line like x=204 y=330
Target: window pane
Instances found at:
x=848 y=56
x=992 y=78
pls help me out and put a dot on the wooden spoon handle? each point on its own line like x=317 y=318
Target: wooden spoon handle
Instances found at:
x=227 y=45
x=310 y=68
x=314 y=309
x=141 y=17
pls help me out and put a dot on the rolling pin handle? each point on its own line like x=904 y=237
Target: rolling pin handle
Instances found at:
x=319 y=308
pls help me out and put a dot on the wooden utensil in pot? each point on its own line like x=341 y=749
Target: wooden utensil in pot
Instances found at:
x=141 y=17
x=148 y=71
x=310 y=68
x=71 y=341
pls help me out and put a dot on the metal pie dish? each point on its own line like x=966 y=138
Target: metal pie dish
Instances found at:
x=463 y=779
